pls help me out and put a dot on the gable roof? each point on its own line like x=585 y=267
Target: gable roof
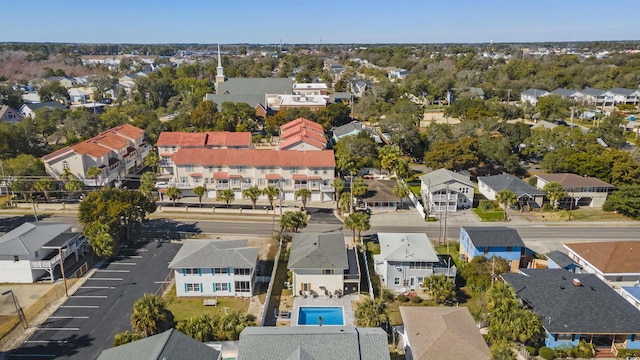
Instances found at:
x=215 y=253
x=535 y=92
x=302 y=122
x=254 y=157
x=612 y=257
x=406 y=247
x=622 y=91
x=438 y=179
x=380 y=190
x=591 y=308
x=570 y=180
x=113 y=139
x=494 y=236
x=561 y=259
x=593 y=91
x=444 y=333
x=44 y=105
x=513 y=183
x=348 y=128
x=252 y=99
x=313 y=343
x=255 y=86
x=170 y=344
x=29 y=237
x=318 y=251
x=565 y=92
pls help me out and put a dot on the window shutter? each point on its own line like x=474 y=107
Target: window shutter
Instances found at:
x=228 y=286
x=213 y=271
x=229 y=271
x=214 y=287
x=201 y=288
x=185 y=287
x=199 y=272
x=184 y=271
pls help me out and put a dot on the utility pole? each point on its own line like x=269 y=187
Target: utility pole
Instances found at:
x=493 y=271
x=446 y=212
x=64 y=279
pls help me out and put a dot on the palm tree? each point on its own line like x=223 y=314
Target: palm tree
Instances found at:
x=359 y=188
x=440 y=288
x=345 y=201
x=151 y=316
x=174 y=194
x=226 y=195
x=555 y=192
x=357 y=221
x=232 y=324
x=125 y=337
x=304 y=195
x=199 y=191
x=73 y=186
x=253 y=193
x=371 y=313
x=202 y=328
x=400 y=190
x=271 y=192
x=506 y=198
x=44 y=185
x=148 y=183
x=293 y=221
x=338 y=185
x=152 y=160
x=93 y=172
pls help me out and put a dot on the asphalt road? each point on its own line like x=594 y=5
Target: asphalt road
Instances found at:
x=86 y=323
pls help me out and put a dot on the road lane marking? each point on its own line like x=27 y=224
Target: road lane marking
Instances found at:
x=115 y=271
x=31 y=355
x=130 y=264
x=143 y=249
x=161 y=282
x=46 y=341
x=68 y=317
x=93 y=278
x=90 y=296
x=97 y=287
x=58 y=329
x=80 y=306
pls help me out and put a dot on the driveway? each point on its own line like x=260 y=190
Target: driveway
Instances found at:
x=86 y=323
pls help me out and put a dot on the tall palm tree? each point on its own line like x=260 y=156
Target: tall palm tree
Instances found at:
x=174 y=194
x=293 y=221
x=199 y=191
x=232 y=324
x=44 y=185
x=357 y=221
x=152 y=160
x=304 y=195
x=151 y=316
x=93 y=172
x=400 y=190
x=253 y=193
x=440 y=288
x=271 y=192
x=226 y=195
x=555 y=192
x=338 y=185
x=359 y=188
x=506 y=198
x=202 y=328
x=345 y=201
x=148 y=183
x=73 y=186
x=371 y=313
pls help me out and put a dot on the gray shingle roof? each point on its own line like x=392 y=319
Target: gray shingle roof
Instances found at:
x=513 y=183
x=494 y=236
x=45 y=105
x=252 y=99
x=406 y=247
x=593 y=91
x=622 y=91
x=564 y=92
x=561 y=259
x=348 y=128
x=28 y=238
x=437 y=180
x=535 y=92
x=215 y=253
x=168 y=345
x=591 y=308
x=237 y=86
x=313 y=343
x=318 y=251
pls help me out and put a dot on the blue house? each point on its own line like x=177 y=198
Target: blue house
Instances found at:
x=559 y=260
x=492 y=241
x=578 y=307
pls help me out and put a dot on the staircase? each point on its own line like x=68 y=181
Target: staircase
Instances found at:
x=604 y=353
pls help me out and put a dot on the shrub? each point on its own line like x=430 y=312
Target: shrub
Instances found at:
x=402 y=298
x=547 y=207
x=387 y=295
x=547 y=353
x=532 y=351
x=533 y=181
x=488 y=205
x=416 y=300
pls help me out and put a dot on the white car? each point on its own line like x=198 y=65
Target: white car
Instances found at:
x=161 y=185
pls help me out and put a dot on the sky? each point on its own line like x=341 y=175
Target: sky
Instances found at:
x=325 y=21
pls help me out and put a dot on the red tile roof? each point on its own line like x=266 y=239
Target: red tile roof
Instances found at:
x=101 y=144
x=128 y=130
x=229 y=139
x=90 y=149
x=299 y=177
x=221 y=175
x=168 y=138
x=302 y=130
x=111 y=141
x=302 y=122
x=273 y=176
x=202 y=139
x=254 y=157
x=291 y=141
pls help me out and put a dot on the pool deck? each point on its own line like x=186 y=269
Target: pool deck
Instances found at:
x=344 y=302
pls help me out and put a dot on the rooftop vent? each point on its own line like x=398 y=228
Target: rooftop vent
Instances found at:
x=576 y=282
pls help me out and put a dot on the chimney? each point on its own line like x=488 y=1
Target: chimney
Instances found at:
x=576 y=282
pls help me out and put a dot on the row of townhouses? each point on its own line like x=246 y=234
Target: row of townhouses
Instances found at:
x=591 y=96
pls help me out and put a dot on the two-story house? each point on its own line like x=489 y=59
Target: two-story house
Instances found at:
x=117 y=152
x=407 y=259
x=623 y=96
x=170 y=142
x=32 y=251
x=581 y=190
x=240 y=169
x=531 y=95
x=310 y=89
x=30 y=109
x=574 y=95
x=500 y=242
x=445 y=190
x=322 y=265
x=215 y=268
x=10 y=115
x=613 y=261
x=528 y=196
x=597 y=97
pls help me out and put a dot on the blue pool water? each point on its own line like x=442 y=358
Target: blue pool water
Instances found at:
x=311 y=315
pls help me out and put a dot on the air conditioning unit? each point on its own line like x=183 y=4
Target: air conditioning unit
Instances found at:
x=399 y=269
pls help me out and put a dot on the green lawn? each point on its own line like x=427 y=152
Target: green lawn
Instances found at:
x=489 y=215
x=415 y=189
x=184 y=308
x=373 y=249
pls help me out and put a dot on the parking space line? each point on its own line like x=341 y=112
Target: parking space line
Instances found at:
x=94 y=278
x=68 y=317
x=57 y=329
x=90 y=296
x=46 y=341
x=143 y=249
x=97 y=287
x=31 y=355
x=80 y=306
x=130 y=264
x=109 y=270
x=134 y=256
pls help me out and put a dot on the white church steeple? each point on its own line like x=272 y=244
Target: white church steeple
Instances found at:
x=219 y=70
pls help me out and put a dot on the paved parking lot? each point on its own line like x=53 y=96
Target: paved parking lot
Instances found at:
x=86 y=323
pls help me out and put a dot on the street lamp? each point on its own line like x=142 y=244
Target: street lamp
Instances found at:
x=18 y=308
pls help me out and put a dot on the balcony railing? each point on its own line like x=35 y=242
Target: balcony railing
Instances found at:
x=224 y=186
x=450 y=272
x=181 y=185
x=327 y=188
x=51 y=263
x=443 y=197
x=245 y=186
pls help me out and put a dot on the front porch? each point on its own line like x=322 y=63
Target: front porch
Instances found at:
x=62 y=247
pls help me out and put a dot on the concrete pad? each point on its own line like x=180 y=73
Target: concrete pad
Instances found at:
x=27 y=294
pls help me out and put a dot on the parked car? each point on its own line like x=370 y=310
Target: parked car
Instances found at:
x=161 y=185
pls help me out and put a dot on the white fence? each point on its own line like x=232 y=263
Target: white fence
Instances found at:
x=417 y=204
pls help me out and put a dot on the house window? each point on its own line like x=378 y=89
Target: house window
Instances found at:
x=306 y=286
x=240 y=169
x=65 y=165
x=242 y=271
x=327 y=272
x=315 y=171
x=509 y=248
x=260 y=181
x=243 y=286
x=189 y=167
x=221 y=286
x=16 y=258
x=206 y=180
x=396 y=281
x=211 y=168
x=314 y=183
x=218 y=271
x=294 y=170
x=191 y=271
x=564 y=337
x=219 y=168
x=485 y=250
x=464 y=190
x=192 y=287
x=324 y=172
x=183 y=179
x=196 y=180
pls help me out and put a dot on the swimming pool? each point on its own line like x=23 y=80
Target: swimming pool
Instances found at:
x=314 y=315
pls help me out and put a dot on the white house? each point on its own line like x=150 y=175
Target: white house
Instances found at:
x=215 y=268
x=531 y=95
x=582 y=190
x=29 y=109
x=445 y=190
x=320 y=265
x=406 y=259
x=32 y=251
x=623 y=96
